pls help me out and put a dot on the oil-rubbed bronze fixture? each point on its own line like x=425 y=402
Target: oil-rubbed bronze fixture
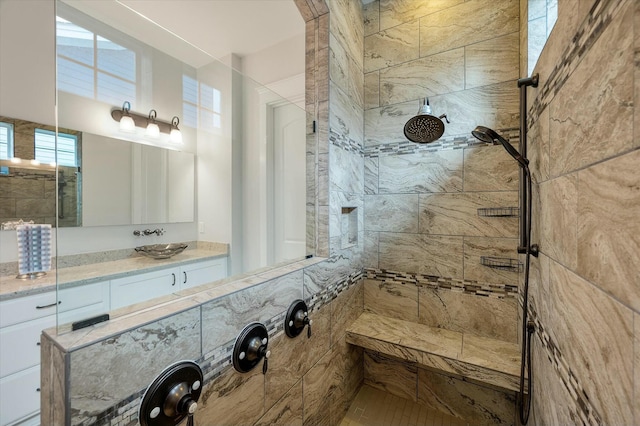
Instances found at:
x=297 y=318
x=172 y=396
x=250 y=347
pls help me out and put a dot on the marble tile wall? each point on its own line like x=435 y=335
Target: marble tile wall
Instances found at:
x=328 y=368
x=421 y=201
x=474 y=403
x=584 y=286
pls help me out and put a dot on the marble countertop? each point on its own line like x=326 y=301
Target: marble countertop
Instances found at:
x=11 y=287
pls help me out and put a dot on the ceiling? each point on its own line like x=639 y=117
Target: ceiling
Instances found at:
x=220 y=27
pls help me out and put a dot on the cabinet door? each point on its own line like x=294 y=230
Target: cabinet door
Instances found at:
x=26 y=308
x=138 y=288
x=203 y=273
x=20 y=395
x=86 y=301
x=20 y=344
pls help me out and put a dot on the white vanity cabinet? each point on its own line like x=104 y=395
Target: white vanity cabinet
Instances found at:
x=21 y=323
x=140 y=287
x=200 y=273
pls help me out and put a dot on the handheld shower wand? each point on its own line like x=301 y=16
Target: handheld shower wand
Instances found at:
x=485 y=134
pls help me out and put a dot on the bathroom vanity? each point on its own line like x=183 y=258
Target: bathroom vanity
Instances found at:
x=28 y=307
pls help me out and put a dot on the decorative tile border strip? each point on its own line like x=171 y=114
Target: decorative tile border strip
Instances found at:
x=501 y=291
x=584 y=410
x=218 y=361
x=596 y=22
x=345 y=143
x=447 y=143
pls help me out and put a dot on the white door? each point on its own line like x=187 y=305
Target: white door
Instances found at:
x=289 y=183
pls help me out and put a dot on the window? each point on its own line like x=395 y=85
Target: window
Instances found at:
x=6 y=141
x=45 y=146
x=93 y=66
x=202 y=104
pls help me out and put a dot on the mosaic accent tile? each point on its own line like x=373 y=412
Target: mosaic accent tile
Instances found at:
x=436 y=282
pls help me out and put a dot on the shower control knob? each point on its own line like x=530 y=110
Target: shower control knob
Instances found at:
x=297 y=318
x=192 y=406
x=250 y=348
x=196 y=385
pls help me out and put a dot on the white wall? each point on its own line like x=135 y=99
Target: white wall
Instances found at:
x=278 y=62
x=27 y=60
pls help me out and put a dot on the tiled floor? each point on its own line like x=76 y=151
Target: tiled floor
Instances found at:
x=373 y=407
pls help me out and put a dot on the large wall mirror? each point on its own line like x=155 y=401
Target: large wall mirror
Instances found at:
x=237 y=177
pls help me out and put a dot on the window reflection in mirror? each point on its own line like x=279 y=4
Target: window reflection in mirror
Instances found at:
x=542 y=16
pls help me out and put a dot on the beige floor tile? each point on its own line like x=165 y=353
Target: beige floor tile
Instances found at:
x=374 y=407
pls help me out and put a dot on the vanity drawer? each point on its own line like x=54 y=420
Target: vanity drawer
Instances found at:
x=20 y=395
x=22 y=309
x=19 y=348
x=83 y=302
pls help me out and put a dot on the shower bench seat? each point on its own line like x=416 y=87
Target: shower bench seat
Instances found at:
x=473 y=358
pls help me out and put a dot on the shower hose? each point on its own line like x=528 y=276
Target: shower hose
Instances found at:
x=528 y=328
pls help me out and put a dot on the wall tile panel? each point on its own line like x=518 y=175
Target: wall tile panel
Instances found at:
x=457 y=214
x=492 y=61
x=430 y=76
x=421 y=172
x=391 y=299
x=608 y=227
x=592 y=330
x=391 y=47
x=592 y=114
x=483 y=316
x=391 y=213
x=470 y=22
x=425 y=254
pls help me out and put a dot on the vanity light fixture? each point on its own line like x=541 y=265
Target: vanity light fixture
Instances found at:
x=129 y=120
x=175 y=136
x=153 y=131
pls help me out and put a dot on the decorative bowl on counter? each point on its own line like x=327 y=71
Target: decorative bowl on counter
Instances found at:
x=161 y=251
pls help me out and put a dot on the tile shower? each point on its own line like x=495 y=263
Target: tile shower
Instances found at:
x=417 y=256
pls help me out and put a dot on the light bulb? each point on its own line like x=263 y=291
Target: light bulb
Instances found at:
x=35 y=162
x=153 y=131
x=175 y=136
x=127 y=124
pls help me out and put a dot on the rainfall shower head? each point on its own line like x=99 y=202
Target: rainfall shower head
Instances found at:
x=485 y=134
x=424 y=127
